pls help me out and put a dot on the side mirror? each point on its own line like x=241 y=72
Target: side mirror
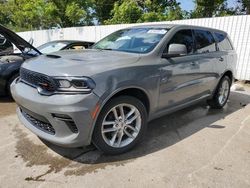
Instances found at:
x=175 y=50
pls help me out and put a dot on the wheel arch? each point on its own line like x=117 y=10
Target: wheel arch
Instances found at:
x=130 y=91
x=228 y=73
x=136 y=92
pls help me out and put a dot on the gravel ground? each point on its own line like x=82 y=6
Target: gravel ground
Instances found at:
x=195 y=147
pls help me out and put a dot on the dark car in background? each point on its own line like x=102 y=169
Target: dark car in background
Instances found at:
x=10 y=59
x=58 y=45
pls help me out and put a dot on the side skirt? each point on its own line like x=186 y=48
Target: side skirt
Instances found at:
x=179 y=107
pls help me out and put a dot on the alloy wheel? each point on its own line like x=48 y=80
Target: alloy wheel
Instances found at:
x=223 y=92
x=121 y=125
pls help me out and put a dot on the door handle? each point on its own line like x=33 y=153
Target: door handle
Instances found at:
x=221 y=59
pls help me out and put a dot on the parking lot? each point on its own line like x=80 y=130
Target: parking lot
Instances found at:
x=195 y=147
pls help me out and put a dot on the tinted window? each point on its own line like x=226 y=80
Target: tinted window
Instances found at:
x=183 y=37
x=223 y=42
x=204 y=41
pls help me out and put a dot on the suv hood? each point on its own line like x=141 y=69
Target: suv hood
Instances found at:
x=19 y=42
x=80 y=63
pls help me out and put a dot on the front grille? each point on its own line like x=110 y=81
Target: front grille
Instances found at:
x=36 y=79
x=46 y=127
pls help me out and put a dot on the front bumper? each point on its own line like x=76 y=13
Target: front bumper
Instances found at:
x=52 y=110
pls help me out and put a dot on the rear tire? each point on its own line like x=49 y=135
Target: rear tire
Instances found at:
x=120 y=125
x=221 y=94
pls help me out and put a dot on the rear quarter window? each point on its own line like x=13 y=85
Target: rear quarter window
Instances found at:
x=205 y=41
x=223 y=42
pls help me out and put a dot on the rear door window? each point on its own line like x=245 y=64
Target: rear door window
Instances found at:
x=223 y=42
x=205 y=41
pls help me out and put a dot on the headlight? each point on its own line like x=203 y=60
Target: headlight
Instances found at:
x=75 y=84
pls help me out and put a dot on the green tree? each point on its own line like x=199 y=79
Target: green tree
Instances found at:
x=4 y=13
x=160 y=10
x=226 y=11
x=75 y=14
x=127 y=12
x=175 y=13
x=102 y=9
x=32 y=14
x=72 y=12
x=244 y=6
x=42 y=14
x=205 y=8
x=145 y=11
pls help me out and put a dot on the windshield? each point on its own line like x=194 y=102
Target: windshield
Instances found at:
x=51 y=47
x=135 y=40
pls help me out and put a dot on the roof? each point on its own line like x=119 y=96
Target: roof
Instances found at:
x=169 y=26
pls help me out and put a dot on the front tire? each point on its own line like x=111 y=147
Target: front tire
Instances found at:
x=221 y=94
x=120 y=125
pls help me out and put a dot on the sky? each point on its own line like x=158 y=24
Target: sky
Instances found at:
x=189 y=4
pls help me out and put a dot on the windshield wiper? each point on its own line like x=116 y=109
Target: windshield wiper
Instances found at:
x=110 y=49
x=107 y=49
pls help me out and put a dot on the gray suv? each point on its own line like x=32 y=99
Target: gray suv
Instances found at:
x=107 y=94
